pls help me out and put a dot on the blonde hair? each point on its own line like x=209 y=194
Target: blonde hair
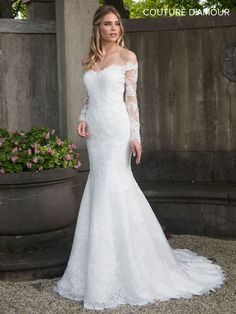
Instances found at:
x=95 y=52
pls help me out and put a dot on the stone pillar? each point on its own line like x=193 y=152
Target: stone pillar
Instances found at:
x=73 y=29
x=42 y=9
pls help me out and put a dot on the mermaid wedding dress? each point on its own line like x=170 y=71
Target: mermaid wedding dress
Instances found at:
x=120 y=254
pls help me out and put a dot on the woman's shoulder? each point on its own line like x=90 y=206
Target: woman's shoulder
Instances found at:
x=129 y=56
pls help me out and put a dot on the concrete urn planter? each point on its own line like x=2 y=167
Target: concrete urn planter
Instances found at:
x=38 y=213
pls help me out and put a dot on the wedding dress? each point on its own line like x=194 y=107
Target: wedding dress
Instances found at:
x=120 y=254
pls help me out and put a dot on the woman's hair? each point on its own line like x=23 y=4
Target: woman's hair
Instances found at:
x=95 y=51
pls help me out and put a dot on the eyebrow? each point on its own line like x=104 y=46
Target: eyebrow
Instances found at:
x=111 y=21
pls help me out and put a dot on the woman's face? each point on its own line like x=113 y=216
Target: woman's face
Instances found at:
x=110 y=28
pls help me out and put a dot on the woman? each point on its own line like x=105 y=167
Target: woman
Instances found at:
x=120 y=254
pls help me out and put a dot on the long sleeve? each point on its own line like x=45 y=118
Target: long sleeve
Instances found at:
x=131 y=76
x=82 y=116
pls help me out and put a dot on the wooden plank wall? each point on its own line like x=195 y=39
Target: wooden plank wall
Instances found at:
x=28 y=74
x=186 y=104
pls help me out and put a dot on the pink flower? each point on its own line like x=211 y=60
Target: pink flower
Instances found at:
x=52 y=131
x=72 y=146
x=1 y=141
x=59 y=142
x=35 y=160
x=68 y=157
x=51 y=151
x=2 y=170
x=47 y=136
x=29 y=164
x=78 y=165
x=36 y=150
x=29 y=152
x=14 y=149
x=14 y=159
x=20 y=132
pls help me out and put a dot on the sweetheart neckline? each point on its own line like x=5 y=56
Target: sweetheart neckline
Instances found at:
x=111 y=65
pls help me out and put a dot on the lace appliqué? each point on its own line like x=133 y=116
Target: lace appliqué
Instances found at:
x=82 y=116
x=131 y=76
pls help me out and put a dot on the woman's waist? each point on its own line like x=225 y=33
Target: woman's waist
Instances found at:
x=104 y=101
x=107 y=113
x=106 y=108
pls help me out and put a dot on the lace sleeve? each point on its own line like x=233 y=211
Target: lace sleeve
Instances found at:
x=82 y=116
x=131 y=76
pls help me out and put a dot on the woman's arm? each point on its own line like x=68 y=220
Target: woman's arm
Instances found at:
x=131 y=102
x=81 y=128
x=82 y=116
x=131 y=76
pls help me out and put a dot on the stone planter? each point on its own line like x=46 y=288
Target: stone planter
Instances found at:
x=38 y=214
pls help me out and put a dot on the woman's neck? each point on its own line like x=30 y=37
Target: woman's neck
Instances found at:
x=109 y=48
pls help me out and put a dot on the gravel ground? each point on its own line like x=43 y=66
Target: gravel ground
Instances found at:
x=37 y=297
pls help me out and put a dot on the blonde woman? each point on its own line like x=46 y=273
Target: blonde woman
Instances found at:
x=120 y=254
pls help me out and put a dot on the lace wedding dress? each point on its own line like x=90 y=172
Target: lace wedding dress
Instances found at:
x=120 y=254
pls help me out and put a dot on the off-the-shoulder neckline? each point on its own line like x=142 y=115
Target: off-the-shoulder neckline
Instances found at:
x=126 y=64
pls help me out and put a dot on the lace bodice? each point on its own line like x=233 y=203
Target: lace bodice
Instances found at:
x=130 y=72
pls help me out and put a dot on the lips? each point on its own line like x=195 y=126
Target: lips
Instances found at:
x=113 y=34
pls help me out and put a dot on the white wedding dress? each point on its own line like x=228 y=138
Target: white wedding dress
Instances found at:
x=120 y=254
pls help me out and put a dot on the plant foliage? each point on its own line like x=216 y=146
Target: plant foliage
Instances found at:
x=38 y=149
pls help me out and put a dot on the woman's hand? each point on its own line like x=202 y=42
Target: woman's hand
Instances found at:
x=136 y=150
x=81 y=129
